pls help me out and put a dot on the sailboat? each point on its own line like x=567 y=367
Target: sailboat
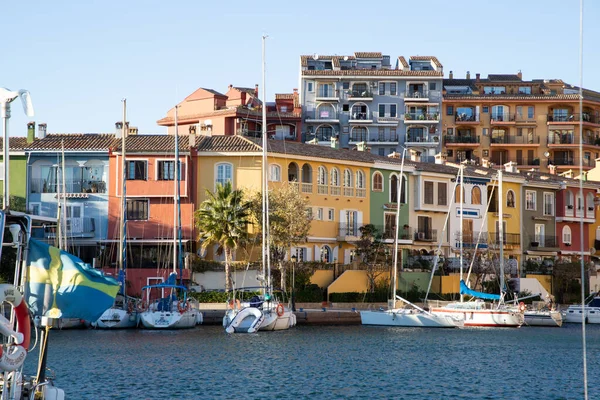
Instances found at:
x=478 y=312
x=123 y=314
x=592 y=311
x=413 y=316
x=263 y=312
x=172 y=309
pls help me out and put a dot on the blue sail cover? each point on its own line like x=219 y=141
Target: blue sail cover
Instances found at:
x=486 y=296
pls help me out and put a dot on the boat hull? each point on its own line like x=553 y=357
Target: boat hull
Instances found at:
x=543 y=318
x=117 y=318
x=573 y=315
x=484 y=318
x=169 y=319
x=251 y=319
x=72 y=323
x=408 y=318
x=274 y=322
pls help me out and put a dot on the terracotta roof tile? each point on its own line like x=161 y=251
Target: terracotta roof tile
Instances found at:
x=16 y=143
x=473 y=97
x=402 y=61
x=284 y=96
x=226 y=144
x=336 y=62
x=367 y=54
x=372 y=72
x=427 y=58
x=504 y=77
x=250 y=91
x=304 y=59
x=75 y=142
x=153 y=143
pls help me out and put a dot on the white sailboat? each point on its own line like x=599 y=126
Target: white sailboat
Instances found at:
x=477 y=312
x=123 y=314
x=263 y=312
x=413 y=316
x=172 y=309
x=591 y=309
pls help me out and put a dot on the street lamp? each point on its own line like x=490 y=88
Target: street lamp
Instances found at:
x=7 y=97
x=294 y=260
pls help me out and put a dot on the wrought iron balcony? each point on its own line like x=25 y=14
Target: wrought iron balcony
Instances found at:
x=426 y=235
x=544 y=241
x=70 y=186
x=451 y=139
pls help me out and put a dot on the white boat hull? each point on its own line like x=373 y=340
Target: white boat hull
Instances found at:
x=249 y=319
x=117 y=318
x=573 y=315
x=409 y=318
x=543 y=318
x=274 y=322
x=169 y=319
x=485 y=318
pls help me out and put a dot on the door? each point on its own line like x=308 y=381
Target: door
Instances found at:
x=467 y=229
x=539 y=234
x=75 y=218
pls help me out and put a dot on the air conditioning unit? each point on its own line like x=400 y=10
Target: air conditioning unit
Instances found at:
x=421 y=235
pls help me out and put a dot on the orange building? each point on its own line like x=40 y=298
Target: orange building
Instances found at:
x=237 y=112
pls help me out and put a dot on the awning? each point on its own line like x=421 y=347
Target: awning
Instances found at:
x=541 y=253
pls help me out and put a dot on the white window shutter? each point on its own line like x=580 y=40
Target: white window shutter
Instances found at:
x=336 y=251
x=308 y=254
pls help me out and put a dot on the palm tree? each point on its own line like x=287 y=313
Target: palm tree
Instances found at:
x=222 y=219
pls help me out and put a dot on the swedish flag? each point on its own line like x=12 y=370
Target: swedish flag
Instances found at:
x=61 y=285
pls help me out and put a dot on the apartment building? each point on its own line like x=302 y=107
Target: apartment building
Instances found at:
x=533 y=123
x=364 y=100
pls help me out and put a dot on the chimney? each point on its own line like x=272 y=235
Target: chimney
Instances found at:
x=132 y=131
x=415 y=155
x=313 y=141
x=451 y=75
x=30 y=132
x=394 y=154
x=468 y=74
x=440 y=158
x=192 y=136
x=230 y=86
x=485 y=163
x=295 y=91
x=362 y=146
x=511 y=166
x=256 y=91
x=118 y=129
x=520 y=74
x=552 y=169
x=335 y=144
x=42 y=130
x=477 y=77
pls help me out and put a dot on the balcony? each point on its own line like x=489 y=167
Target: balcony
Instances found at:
x=358 y=137
x=249 y=132
x=562 y=161
x=424 y=235
x=360 y=117
x=557 y=139
x=510 y=239
x=348 y=191
x=542 y=242
x=461 y=141
x=70 y=186
x=523 y=140
x=360 y=95
x=306 y=187
x=464 y=119
x=327 y=94
x=385 y=138
x=571 y=118
x=386 y=118
x=502 y=119
x=348 y=231
x=526 y=161
x=421 y=118
x=361 y=192
x=322 y=189
x=488 y=239
x=335 y=191
x=419 y=94
x=404 y=233
x=321 y=116
x=422 y=140
x=76 y=228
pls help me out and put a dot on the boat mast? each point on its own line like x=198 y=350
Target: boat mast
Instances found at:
x=175 y=196
x=65 y=213
x=395 y=257
x=501 y=231
x=178 y=201
x=59 y=228
x=265 y=192
x=123 y=232
x=461 y=190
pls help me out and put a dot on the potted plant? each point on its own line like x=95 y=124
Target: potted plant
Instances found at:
x=421 y=117
x=570 y=207
x=407 y=116
x=535 y=244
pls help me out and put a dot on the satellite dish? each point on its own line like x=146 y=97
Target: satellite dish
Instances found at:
x=316 y=57
x=592 y=251
x=546 y=154
x=345 y=58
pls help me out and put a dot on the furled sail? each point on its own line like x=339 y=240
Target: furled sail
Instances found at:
x=486 y=296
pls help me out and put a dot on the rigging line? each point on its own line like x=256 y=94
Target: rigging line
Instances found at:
x=581 y=236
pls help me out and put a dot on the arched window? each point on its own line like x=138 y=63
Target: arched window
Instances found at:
x=590 y=202
x=510 y=199
x=322 y=176
x=293 y=172
x=476 y=195
x=326 y=254
x=459 y=196
x=348 y=187
x=377 y=182
x=306 y=173
x=359 y=134
x=274 y=173
x=324 y=132
x=579 y=203
x=223 y=173
x=570 y=200
x=335 y=181
x=566 y=234
x=360 y=180
x=394 y=189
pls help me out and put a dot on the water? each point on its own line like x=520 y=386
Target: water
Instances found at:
x=326 y=362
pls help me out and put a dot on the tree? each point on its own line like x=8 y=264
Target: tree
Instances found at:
x=289 y=223
x=223 y=219
x=373 y=253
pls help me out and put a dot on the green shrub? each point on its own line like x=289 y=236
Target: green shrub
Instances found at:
x=220 y=297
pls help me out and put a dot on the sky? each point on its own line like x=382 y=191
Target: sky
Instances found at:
x=79 y=59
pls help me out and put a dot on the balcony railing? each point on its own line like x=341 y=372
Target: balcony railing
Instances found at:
x=576 y=117
x=451 y=139
x=76 y=227
x=421 y=117
x=420 y=138
x=249 y=132
x=533 y=161
x=321 y=136
x=359 y=116
x=348 y=192
x=361 y=192
x=358 y=137
x=514 y=139
x=383 y=138
x=404 y=233
x=509 y=238
x=327 y=93
x=71 y=186
x=383 y=117
x=349 y=229
x=363 y=94
x=307 y=187
x=466 y=118
x=335 y=190
x=542 y=241
x=327 y=115
x=574 y=161
x=426 y=235
x=570 y=138
x=416 y=94
x=322 y=189
x=504 y=117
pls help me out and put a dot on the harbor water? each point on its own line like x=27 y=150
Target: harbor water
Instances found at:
x=325 y=362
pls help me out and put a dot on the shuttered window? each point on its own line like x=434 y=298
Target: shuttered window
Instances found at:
x=442 y=194
x=428 y=192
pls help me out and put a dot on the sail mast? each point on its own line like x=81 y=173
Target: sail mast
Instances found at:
x=65 y=213
x=461 y=191
x=178 y=201
x=123 y=232
x=175 y=194
x=395 y=257
x=265 y=193
x=501 y=230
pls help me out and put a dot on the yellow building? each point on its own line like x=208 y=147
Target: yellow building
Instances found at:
x=335 y=182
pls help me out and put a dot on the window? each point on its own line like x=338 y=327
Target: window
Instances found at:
x=393 y=88
x=530 y=111
x=136 y=170
x=449 y=110
x=331 y=214
x=510 y=199
x=548 y=203
x=476 y=196
x=524 y=90
x=326 y=90
x=392 y=110
x=309 y=212
x=485 y=132
x=394 y=189
x=381 y=136
x=35 y=208
x=442 y=194
x=381 y=151
x=393 y=136
x=224 y=173
x=319 y=216
x=335 y=177
x=590 y=201
x=485 y=109
x=539 y=234
x=301 y=254
x=424 y=228
x=389 y=227
x=345 y=107
x=432 y=85
x=428 y=197
x=310 y=86
x=322 y=176
x=382 y=110
x=560 y=114
x=566 y=235
x=530 y=197
x=381 y=88
x=378 y=182
x=360 y=180
x=348 y=187
x=326 y=254
x=459 y=195
x=569 y=200
x=166 y=171
x=274 y=173
x=503 y=232
x=137 y=210
x=494 y=89
x=345 y=85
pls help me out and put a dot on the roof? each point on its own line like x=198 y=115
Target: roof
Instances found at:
x=373 y=72
x=284 y=96
x=250 y=91
x=226 y=144
x=427 y=58
x=367 y=54
x=15 y=143
x=200 y=93
x=153 y=143
x=504 y=77
x=523 y=97
x=402 y=61
x=74 y=142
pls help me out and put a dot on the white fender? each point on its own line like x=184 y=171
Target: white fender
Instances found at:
x=13 y=355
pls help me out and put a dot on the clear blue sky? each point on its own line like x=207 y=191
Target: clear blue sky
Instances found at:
x=78 y=59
